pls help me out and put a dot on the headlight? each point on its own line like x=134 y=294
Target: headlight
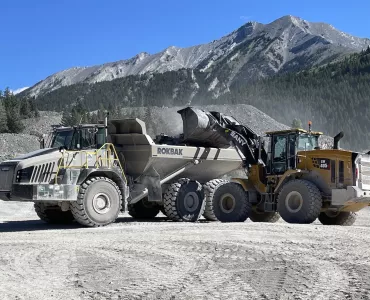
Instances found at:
x=24 y=175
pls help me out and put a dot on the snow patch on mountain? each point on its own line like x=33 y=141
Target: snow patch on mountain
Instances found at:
x=17 y=91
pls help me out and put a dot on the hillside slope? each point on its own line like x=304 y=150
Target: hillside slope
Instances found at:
x=252 y=51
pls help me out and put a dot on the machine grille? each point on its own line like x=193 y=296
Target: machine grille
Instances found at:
x=42 y=173
x=6 y=177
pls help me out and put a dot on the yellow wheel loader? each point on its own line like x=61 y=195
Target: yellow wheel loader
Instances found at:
x=292 y=177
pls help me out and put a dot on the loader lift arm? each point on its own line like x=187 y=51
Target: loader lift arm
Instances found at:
x=243 y=138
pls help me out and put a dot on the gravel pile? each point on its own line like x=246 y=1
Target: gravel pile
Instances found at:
x=15 y=144
x=167 y=120
x=12 y=145
x=36 y=126
x=158 y=120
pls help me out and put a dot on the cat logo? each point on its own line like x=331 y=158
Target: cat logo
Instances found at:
x=170 y=151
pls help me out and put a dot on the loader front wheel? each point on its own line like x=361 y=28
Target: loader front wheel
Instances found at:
x=264 y=217
x=299 y=201
x=53 y=214
x=143 y=209
x=184 y=201
x=344 y=218
x=228 y=202
x=98 y=202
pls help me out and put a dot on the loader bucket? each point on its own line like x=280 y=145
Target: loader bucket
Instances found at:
x=197 y=126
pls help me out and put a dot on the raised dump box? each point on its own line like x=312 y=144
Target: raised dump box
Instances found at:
x=141 y=157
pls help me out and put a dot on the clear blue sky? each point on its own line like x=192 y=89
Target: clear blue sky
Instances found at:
x=41 y=37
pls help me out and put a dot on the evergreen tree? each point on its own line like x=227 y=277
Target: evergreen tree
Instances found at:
x=296 y=124
x=34 y=109
x=12 y=108
x=14 y=122
x=25 y=108
x=66 y=117
x=3 y=118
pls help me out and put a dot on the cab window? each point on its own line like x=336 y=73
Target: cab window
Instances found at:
x=62 y=138
x=307 y=142
x=279 y=154
x=100 y=137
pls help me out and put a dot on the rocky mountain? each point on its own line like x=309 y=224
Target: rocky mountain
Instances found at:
x=253 y=51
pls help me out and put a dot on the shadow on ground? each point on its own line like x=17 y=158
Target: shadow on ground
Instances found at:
x=38 y=225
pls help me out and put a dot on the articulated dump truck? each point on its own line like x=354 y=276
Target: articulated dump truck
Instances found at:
x=217 y=168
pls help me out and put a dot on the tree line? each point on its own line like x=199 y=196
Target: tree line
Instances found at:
x=13 y=109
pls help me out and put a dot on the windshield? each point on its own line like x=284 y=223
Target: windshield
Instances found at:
x=85 y=138
x=307 y=142
x=62 y=138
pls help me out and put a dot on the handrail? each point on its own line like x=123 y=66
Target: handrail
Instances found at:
x=107 y=146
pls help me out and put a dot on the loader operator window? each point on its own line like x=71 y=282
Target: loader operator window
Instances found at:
x=279 y=159
x=307 y=142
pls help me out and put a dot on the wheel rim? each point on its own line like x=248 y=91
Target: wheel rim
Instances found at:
x=227 y=203
x=191 y=201
x=294 y=202
x=101 y=203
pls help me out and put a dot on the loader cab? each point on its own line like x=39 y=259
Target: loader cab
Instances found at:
x=80 y=137
x=284 y=146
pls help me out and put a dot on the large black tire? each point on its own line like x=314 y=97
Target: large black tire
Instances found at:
x=98 y=202
x=143 y=209
x=343 y=218
x=53 y=214
x=209 y=189
x=264 y=217
x=184 y=201
x=299 y=202
x=228 y=202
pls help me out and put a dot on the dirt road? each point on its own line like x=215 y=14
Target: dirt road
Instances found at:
x=165 y=260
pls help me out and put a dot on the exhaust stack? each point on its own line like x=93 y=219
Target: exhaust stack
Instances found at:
x=337 y=138
x=106 y=126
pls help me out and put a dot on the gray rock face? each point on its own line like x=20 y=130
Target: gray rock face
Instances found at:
x=254 y=50
x=158 y=120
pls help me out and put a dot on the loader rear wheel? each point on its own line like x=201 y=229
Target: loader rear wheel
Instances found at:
x=264 y=217
x=143 y=209
x=299 y=202
x=184 y=201
x=228 y=202
x=344 y=218
x=98 y=202
x=53 y=214
x=209 y=189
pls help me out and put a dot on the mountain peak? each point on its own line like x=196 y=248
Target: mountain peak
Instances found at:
x=254 y=49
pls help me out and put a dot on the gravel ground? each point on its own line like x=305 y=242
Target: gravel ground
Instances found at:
x=166 y=260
